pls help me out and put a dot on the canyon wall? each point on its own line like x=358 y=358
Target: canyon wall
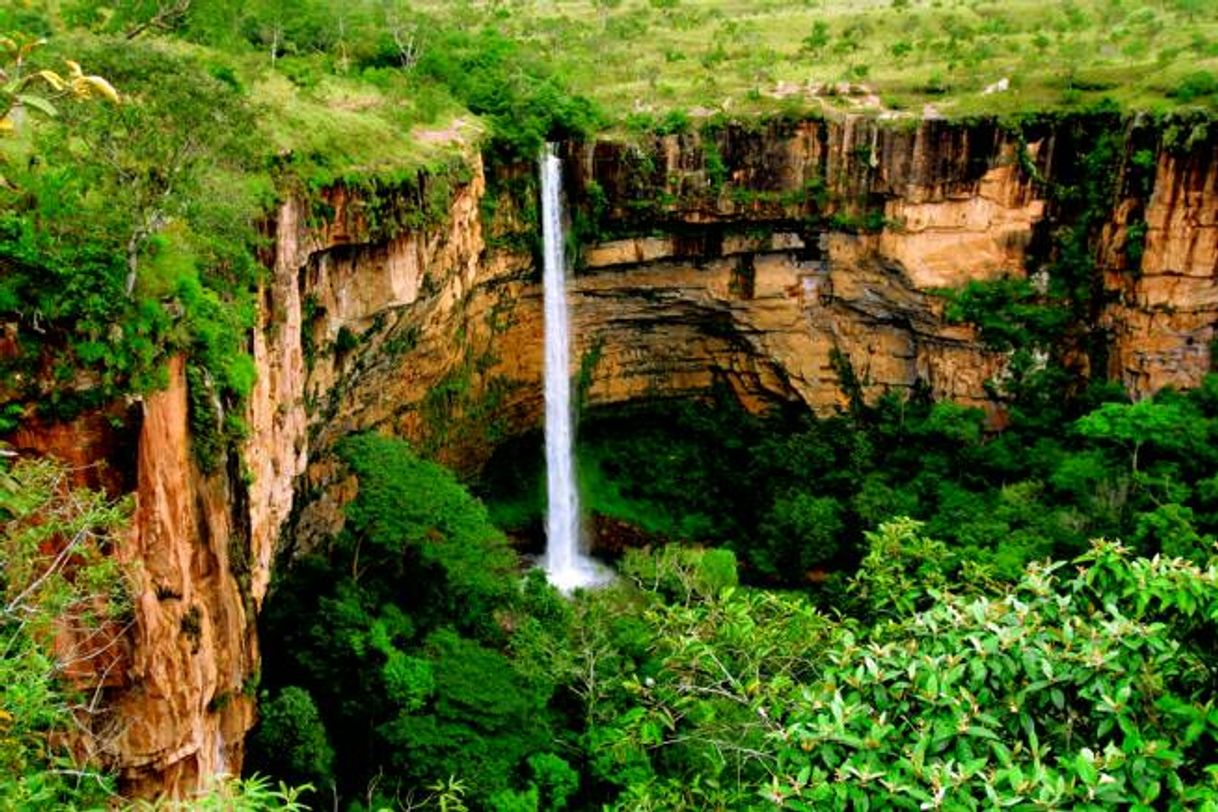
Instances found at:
x=184 y=696
x=1163 y=312
x=753 y=285
x=776 y=259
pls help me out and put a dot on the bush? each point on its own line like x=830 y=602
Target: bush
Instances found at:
x=1081 y=685
x=56 y=584
x=981 y=701
x=290 y=741
x=132 y=236
x=1198 y=85
x=800 y=532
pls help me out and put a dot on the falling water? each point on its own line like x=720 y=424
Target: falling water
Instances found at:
x=566 y=565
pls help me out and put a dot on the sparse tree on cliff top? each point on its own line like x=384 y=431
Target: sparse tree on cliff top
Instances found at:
x=815 y=42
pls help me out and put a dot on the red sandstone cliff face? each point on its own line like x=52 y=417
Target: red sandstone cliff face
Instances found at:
x=760 y=278
x=725 y=286
x=1164 y=316
x=816 y=291
x=186 y=700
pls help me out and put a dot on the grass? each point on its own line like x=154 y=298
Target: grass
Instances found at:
x=326 y=125
x=746 y=56
x=342 y=128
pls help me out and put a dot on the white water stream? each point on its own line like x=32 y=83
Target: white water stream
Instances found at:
x=566 y=565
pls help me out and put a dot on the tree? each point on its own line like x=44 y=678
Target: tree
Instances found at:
x=403 y=631
x=689 y=704
x=22 y=89
x=1084 y=684
x=166 y=15
x=291 y=740
x=1168 y=425
x=229 y=794
x=63 y=602
x=902 y=569
x=800 y=531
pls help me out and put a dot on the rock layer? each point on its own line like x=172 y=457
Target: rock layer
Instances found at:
x=1164 y=316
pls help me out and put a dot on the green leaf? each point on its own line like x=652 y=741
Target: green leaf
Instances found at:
x=981 y=732
x=1084 y=767
x=38 y=103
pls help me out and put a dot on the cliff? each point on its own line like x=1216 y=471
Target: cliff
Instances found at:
x=1164 y=311
x=773 y=258
x=176 y=683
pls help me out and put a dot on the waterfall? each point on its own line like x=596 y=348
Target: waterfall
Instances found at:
x=565 y=563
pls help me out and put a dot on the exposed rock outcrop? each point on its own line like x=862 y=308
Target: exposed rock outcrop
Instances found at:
x=176 y=676
x=1164 y=318
x=757 y=278
x=185 y=700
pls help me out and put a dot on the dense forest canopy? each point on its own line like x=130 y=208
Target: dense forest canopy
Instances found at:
x=894 y=607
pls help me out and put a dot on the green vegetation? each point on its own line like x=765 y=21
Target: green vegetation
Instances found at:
x=443 y=677
x=56 y=581
x=1056 y=690
x=668 y=59
x=794 y=496
x=131 y=232
x=403 y=637
x=32 y=89
x=126 y=235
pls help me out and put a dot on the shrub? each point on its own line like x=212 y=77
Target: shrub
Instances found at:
x=498 y=77
x=56 y=584
x=982 y=701
x=1197 y=85
x=1084 y=685
x=290 y=741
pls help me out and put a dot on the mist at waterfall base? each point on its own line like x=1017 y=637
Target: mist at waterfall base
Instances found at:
x=566 y=565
